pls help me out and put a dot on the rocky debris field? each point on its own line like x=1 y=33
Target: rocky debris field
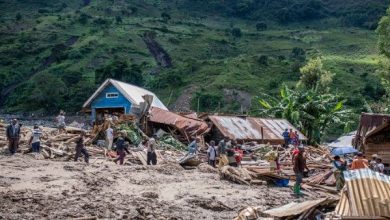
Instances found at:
x=46 y=189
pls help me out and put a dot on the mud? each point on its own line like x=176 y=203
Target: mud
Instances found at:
x=43 y=189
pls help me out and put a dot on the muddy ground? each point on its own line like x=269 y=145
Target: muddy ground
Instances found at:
x=45 y=189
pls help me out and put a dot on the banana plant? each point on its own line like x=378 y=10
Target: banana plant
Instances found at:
x=309 y=110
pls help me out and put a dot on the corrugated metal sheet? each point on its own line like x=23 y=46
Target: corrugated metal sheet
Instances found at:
x=249 y=128
x=188 y=126
x=293 y=209
x=367 y=194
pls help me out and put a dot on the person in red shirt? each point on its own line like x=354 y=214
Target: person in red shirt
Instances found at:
x=238 y=154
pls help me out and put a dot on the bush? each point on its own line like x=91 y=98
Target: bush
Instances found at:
x=298 y=53
x=263 y=60
x=120 y=70
x=118 y=19
x=83 y=18
x=236 y=32
x=165 y=16
x=207 y=101
x=261 y=26
x=18 y=17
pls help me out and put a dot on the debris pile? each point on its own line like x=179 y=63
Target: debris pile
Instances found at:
x=53 y=143
x=312 y=209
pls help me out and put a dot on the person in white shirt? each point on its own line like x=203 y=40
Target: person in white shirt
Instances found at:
x=109 y=137
x=61 y=122
x=212 y=153
x=35 y=140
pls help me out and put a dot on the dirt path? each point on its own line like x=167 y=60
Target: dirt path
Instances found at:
x=35 y=189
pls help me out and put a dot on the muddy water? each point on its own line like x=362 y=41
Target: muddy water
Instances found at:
x=43 y=189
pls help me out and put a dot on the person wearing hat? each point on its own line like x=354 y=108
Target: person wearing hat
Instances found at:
x=373 y=161
x=359 y=162
x=299 y=169
x=339 y=166
x=13 y=136
x=121 y=148
x=80 y=148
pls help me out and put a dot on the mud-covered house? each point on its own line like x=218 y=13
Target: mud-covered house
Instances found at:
x=116 y=97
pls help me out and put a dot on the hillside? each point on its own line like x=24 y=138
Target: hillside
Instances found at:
x=213 y=56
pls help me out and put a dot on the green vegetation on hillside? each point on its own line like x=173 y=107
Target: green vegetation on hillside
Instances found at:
x=54 y=54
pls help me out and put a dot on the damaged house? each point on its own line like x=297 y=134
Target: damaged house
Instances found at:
x=116 y=97
x=244 y=129
x=373 y=136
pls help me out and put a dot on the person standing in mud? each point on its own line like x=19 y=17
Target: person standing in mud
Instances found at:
x=211 y=154
x=121 y=148
x=13 y=136
x=35 y=140
x=80 y=148
x=193 y=146
x=61 y=122
x=151 y=152
x=299 y=169
x=222 y=147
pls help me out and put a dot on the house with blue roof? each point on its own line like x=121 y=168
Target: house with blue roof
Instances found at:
x=118 y=97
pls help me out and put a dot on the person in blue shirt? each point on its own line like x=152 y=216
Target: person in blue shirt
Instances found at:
x=193 y=147
x=339 y=166
x=286 y=136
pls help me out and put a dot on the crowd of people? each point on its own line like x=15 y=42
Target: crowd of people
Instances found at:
x=291 y=138
x=227 y=152
x=359 y=162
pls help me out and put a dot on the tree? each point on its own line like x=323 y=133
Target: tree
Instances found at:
x=384 y=34
x=298 y=53
x=261 y=26
x=18 y=17
x=311 y=111
x=165 y=16
x=120 y=70
x=236 y=32
x=314 y=77
x=118 y=19
x=50 y=96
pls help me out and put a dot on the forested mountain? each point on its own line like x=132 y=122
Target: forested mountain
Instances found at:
x=214 y=55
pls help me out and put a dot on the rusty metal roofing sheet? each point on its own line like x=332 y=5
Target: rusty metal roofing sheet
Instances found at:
x=367 y=194
x=249 y=128
x=292 y=209
x=189 y=126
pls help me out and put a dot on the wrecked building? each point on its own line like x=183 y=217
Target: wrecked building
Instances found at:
x=183 y=127
x=243 y=129
x=114 y=96
x=373 y=136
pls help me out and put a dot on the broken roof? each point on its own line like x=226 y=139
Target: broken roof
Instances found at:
x=369 y=122
x=249 y=128
x=187 y=126
x=132 y=93
x=367 y=194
